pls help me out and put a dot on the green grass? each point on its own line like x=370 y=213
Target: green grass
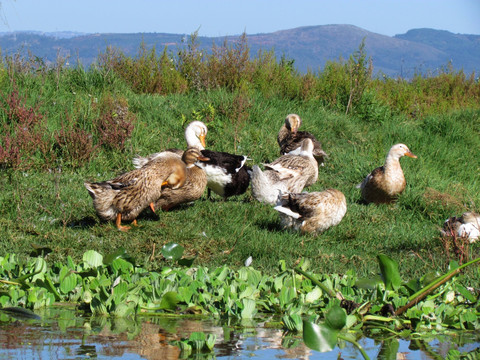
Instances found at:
x=54 y=210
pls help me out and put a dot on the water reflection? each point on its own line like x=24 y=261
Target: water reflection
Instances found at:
x=65 y=334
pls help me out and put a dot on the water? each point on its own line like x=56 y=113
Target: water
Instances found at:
x=65 y=334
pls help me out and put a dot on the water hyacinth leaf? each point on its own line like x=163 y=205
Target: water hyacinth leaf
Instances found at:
x=187 y=262
x=313 y=295
x=390 y=273
x=172 y=251
x=197 y=340
x=92 y=259
x=120 y=253
x=249 y=309
x=336 y=318
x=210 y=342
x=319 y=337
x=122 y=265
x=465 y=293
x=68 y=283
x=169 y=301
x=293 y=322
x=368 y=283
x=389 y=349
x=287 y=294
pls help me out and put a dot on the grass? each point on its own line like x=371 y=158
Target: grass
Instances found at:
x=53 y=209
x=61 y=126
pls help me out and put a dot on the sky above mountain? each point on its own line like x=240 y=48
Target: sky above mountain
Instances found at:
x=233 y=17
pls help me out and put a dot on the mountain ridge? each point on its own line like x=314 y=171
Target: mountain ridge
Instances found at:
x=424 y=50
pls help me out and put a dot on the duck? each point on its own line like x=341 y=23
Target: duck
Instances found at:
x=289 y=139
x=466 y=226
x=385 y=183
x=289 y=173
x=126 y=196
x=227 y=174
x=194 y=186
x=195 y=134
x=312 y=212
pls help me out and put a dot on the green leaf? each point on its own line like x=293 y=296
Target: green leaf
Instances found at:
x=92 y=259
x=169 y=301
x=319 y=337
x=389 y=349
x=313 y=295
x=249 y=309
x=336 y=318
x=188 y=262
x=172 y=251
x=390 y=273
x=368 y=284
x=68 y=283
x=465 y=293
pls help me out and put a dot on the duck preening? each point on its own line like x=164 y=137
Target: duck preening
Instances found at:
x=466 y=226
x=287 y=174
x=290 y=139
x=385 y=183
x=192 y=189
x=124 y=197
x=312 y=212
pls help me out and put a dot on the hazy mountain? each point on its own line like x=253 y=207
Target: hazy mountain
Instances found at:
x=419 y=50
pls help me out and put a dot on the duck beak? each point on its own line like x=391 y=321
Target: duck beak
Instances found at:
x=202 y=139
x=410 y=154
x=203 y=158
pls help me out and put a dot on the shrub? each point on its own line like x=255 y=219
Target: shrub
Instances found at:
x=74 y=146
x=115 y=123
x=24 y=136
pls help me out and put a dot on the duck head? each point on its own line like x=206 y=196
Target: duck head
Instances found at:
x=399 y=150
x=195 y=134
x=293 y=123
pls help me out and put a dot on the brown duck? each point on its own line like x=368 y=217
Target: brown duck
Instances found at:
x=195 y=183
x=124 y=197
x=290 y=139
x=385 y=183
x=311 y=212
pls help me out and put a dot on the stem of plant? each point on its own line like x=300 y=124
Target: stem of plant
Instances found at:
x=358 y=346
x=330 y=292
x=419 y=295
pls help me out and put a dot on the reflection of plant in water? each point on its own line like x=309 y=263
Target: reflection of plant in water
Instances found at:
x=324 y=337
x=115 y=286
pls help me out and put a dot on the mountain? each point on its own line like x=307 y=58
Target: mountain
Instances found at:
x=423 y=51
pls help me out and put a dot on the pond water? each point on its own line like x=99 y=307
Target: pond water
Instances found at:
x=65 y=334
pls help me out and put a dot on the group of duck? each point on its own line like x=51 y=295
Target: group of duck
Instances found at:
x=172 y=177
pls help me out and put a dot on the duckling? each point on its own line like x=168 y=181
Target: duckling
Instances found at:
x=289 y=139
x=385 y=183
x=288 y=174
x=466 y=226
x=227 y=174
x=311 y=212
x=195 y=183
x=124 y=197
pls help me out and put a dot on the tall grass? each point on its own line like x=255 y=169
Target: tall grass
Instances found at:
x=61 y=125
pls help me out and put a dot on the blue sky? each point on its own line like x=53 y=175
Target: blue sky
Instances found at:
x=221 y=18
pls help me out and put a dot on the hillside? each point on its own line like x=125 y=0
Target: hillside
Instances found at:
x=419 y=50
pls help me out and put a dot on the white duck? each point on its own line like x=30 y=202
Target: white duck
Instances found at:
x=385 y=183
x=311 y=212
x=466 y=226
x=287 y=174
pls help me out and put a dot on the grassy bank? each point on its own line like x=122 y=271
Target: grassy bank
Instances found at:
x=88 y=125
